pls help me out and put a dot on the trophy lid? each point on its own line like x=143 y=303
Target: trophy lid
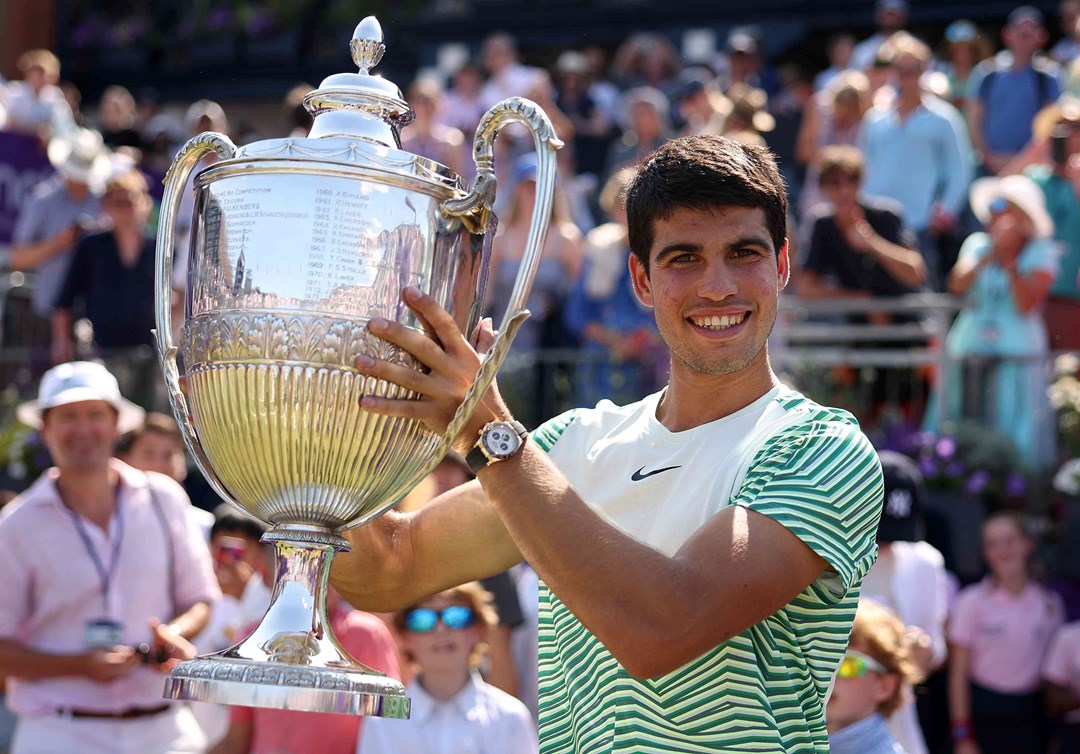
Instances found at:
x=360 y=104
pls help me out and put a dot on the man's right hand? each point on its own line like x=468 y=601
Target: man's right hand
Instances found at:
x=106 y=665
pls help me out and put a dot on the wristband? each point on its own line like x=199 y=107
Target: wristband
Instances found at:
x=961 y=730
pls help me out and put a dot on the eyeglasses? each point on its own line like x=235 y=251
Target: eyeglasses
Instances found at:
x=856 y=665
x=422 y=620
x=998 y=205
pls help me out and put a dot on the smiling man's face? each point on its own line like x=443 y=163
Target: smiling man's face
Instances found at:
x=713 y=282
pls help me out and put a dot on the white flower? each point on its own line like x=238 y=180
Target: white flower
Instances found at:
x=1067 y=479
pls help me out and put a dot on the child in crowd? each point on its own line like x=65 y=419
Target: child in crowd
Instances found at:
x=453 y=710
x=872 y=682
x=998 y=635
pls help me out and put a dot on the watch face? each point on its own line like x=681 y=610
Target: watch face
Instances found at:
x=501 y=440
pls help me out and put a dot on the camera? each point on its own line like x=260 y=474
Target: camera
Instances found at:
x=1059 y=145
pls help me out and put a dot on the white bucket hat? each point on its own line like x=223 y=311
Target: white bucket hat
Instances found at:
x=78 y=381
x=83 y=158
x=1018 y=190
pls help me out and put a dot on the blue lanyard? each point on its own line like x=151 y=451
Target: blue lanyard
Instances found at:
x=105 y=573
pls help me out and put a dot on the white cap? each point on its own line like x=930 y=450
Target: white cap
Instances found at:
x=78 y=381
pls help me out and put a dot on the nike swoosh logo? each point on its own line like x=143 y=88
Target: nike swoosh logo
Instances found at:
x=637 y=476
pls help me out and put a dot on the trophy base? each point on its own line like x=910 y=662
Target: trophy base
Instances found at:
x=268 y=684
x=292 y=660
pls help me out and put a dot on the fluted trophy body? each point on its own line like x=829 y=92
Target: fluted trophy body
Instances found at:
x=295 y=245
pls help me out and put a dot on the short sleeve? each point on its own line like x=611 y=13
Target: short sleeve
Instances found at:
x=964 y=619
x=1062 y=661
x=16 y=577
x=974 y=248
x=548 y=433
x=28 y=224
x=1041 y=255
x=823 y=482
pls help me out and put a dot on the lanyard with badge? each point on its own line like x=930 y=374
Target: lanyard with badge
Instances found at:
x=102 y=632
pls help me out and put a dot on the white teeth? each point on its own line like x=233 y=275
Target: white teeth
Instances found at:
x=718 y=323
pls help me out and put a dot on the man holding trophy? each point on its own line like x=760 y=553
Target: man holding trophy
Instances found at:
x=701 y=551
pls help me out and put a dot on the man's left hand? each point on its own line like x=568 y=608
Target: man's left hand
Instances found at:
x=451 y=361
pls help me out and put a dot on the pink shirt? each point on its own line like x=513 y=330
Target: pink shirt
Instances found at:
x=1006 y=634
x=50 y=587
x=1062 y=663
x=368 y=640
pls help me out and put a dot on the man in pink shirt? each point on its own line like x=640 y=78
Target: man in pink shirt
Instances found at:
x=97 y=561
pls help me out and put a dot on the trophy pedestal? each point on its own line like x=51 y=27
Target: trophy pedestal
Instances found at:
x=292 y=659
x=311 y=688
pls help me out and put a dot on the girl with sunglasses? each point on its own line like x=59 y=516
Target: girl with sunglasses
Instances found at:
x=872 y=682
x=453 y=710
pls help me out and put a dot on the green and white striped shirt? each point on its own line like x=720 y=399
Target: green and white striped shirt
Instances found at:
x=808 y=467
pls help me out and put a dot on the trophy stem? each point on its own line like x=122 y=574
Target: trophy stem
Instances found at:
x=292 y=659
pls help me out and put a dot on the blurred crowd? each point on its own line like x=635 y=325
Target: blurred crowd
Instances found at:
x=947 y=165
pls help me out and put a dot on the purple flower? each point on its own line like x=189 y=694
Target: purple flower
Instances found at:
x=928 y=466
x=945 y=447
x=1015 y=484
x=956 y=469
x=977 y=482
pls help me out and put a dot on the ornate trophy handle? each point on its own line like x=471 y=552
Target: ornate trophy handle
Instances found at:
x=175 y=180
x=477 y=206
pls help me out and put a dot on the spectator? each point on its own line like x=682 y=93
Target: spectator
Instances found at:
x=452 y=707
x=297 y=117
x=648 y=126
x=111 y=282
x=1061 y=672
x=426 y=136
x=1005 y=275
x=702 y=108
x=36 y=105
x=742 y=54
x=998 y=634
x=873 y=681
x=559 y=266
x=507 y=77
x=909 y=579
x=749 y=118
x=649 y=60
x=857 y=246
x=833 y=117
x=622 y=350
x=60 y=210
x=1068 y=47
x=1008 y=90
x=1056 y=148
x=241 y=566
x=91 y=556
x=839 y=49
x=157 y=445
x=258 y=730
x=965 y=48
x=917 y=152
x=118 y=119
x=891 y=16
x=594 y=131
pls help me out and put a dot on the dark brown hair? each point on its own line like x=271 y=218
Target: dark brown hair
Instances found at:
x=840 y=160
x=702 y=173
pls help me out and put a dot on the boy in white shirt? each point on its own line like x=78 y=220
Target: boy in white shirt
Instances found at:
x=453 y=710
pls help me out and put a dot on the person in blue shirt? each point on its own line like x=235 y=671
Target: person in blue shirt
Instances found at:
x=917 y=153
x=624 y=356
x=1007 y=91
x=1005 y=275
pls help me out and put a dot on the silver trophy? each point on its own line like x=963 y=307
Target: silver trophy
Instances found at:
x=295 y=245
